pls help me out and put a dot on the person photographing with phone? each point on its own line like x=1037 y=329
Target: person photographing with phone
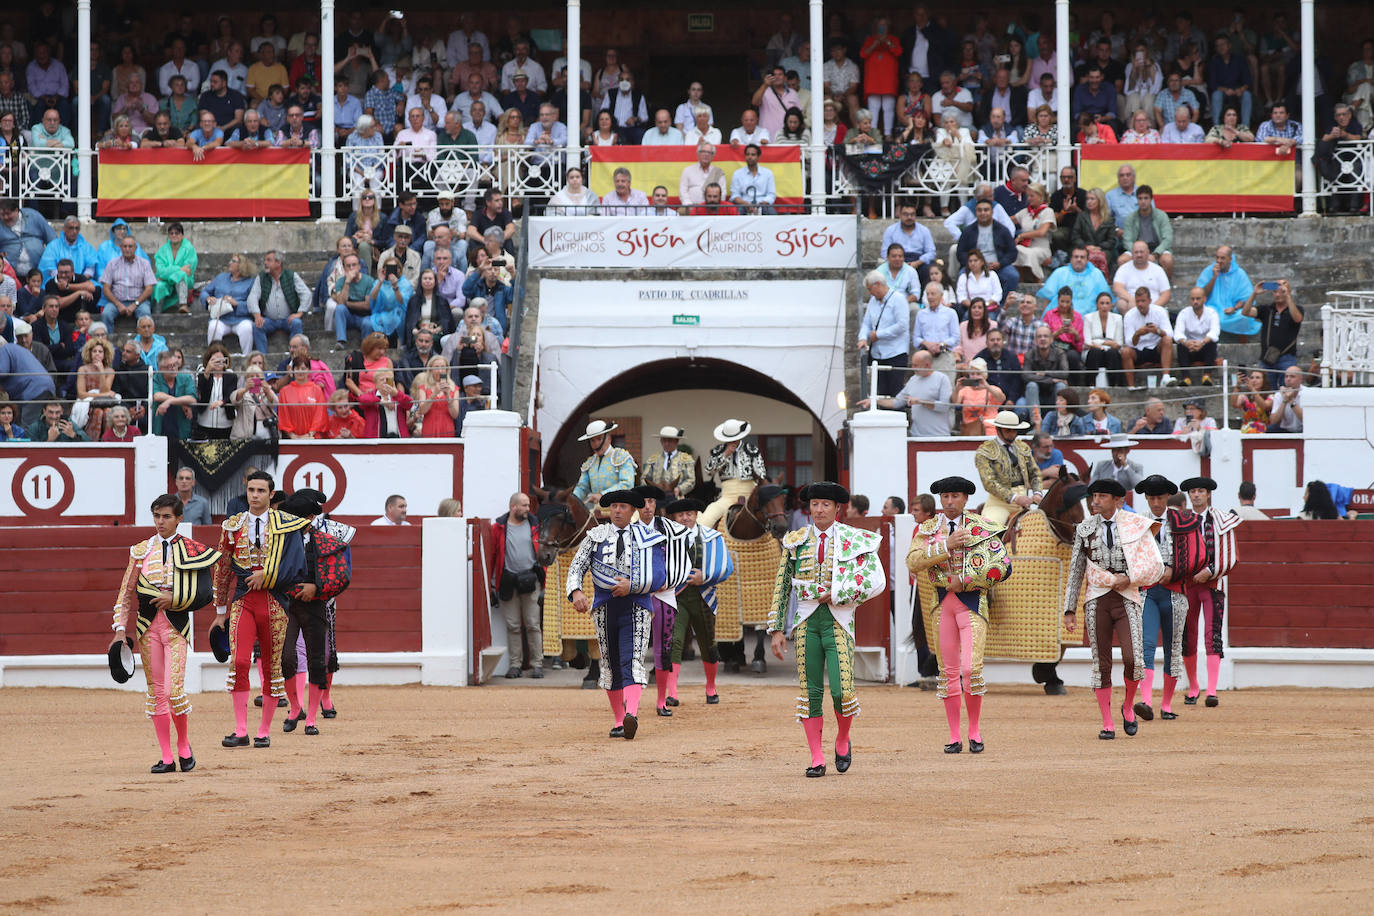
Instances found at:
x=1280 y=324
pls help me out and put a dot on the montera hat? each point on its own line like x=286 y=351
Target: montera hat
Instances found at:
x=1007 y=419
x=1107 y=485
x=597 y=428
x=1198 y=483
x=300 y=504
x=686 y=504
x=1074 y=493
x=672 y=432
x=219 y=643
x=824 y=489
x=1156 y=485
x=732 y=430
x=628 y=497
x=649 y=491
x=953 y=485
x=122 y=660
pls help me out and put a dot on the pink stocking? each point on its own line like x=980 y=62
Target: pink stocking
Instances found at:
x=842 y=738
x=1190 y=666
x=313 y=705
x=663 y=677
x=241 y=712
x=812 y=726
x=617 y=698
x=1166 y=702
x=1213 y=673
x=269 y=709
x=975 y=711
x=672 y=681
x=325 y=701
x=710 y=669
x=293 y=695
x=1147 y=687
x=952 y=714
x=1104 y=701
x=1131 y=687
x=162 y=724
x=632 y=692
x=183 y=739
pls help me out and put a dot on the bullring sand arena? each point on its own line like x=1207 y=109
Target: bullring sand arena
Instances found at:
x=511 y=799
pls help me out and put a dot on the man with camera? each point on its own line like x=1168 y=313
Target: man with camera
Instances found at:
x=1280 y=324
x=352 y=292
x=517 y=580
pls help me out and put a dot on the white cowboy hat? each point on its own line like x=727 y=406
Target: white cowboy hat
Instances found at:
x=598 y=428
x=1120 y=440
x=671 y=432
x=1007 y=419
x=732 y=430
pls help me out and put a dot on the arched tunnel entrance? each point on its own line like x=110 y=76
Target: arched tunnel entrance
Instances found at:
x=696 y=394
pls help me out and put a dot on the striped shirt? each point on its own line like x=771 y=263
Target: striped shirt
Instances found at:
x=128 y=278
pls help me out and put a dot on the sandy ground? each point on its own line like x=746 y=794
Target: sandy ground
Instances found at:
x=511 y=798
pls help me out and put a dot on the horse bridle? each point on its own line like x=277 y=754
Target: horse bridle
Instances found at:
x=564 y=512
x=762 y=523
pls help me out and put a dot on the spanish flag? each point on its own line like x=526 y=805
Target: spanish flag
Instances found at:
x=651 y=166
x=1198 y=177
x=226 y=184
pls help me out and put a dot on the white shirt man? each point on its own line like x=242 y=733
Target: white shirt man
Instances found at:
x=1038 y=97
x=963 y=217
x=585 y=70
x=1182 y=128
x=663 y=133
x=940 y=102
x=691 y=188
x=685 y=116
x=531 y=68
x=1198 y=322
x=1137 y=272
x=237 y=74
x=840 y=78
x=463 y=102
x=743 y=137
x=434 y=109
x=1135 y=320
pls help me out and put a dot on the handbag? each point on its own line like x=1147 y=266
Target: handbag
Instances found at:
x=526 y=582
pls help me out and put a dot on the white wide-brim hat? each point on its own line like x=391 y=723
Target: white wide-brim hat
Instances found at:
x=1007 y=419
x=732 y=430
x=1120 y=440
x=671 y=432
x=597 y=428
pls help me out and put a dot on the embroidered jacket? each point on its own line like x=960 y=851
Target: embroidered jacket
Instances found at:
x=1134 y=552
x=614 y=470
x=976 y=566
x=851 y=571
x=281 y=556
x=708 y=552
x=186 y=577
x=1002 y=477
x=644 y=562
x=745 y=464
x=680 y=473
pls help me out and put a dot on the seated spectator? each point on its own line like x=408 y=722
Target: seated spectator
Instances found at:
x=52 y=426
x=265 y=73
x=1252 y=401
x=953 y=98
x=72 y=246
x=109 y=249
x=131 y=381
x=347 y=110
x=1019 y=322
x=95 y=378
x=297 y=134
x=695 y=178
x=181 y=107
x=215 y=386
x=485 y=283
x=299 y=347
x=1004 y=369
x=1149 y=338
x=1034 y=222
x=73 y=293
x=1182 y=129
x=1043 y=129
x=363 y=157
x=1170 y=99
x=232 y=66
x=864 y=139
x=1151 y=225
x=967 y=215
x=119 y=136
x=1047 y=373
x=253 y=134
x=493 y=213
x=1083 y=278
x=1279 y=131
x=1048 y=458
x=277 y=300
x=353 y=297
x=407 y=213
x=1103 y=340
x=1121 y=200
x=1098 y=422
x=138 y=105
x=227 y=105
x=445 y=233
x=978 y=401
x=402 y=253
x=151 y=345
x=973 y=332
x=841 y=77
x=658 y=201
x=475 y=91
x=702 y=129
x=1097 y=98
x=255 y=406
x=1197 y=330
x=204 y=138
x=1138 y=271
x=1280 y=323
x=385 y=408
x=995 y=243
x=389 y=297
x=522 y=64
x=1066 y=419
x=426 y=306
x=437 y=400
x=431 y=104
x=1228 y=287
x=1066 y=324
x=473 y=399
x=663 y=133
x=1119 y=467
x=302 y=411
x=119 y=426
x=713 y=203
x=917 y=244
x=174 y=393
x=226 y=299
x=1093 y=132
x=179 y=65
x=626 y=104
x=1143 y=81
x=23 y=337
x=1286 y=415
x=1345 y=129
x=411 y=364
x=996 y=135
x=1140 y=130
x=1317 y=503
x=1229 y=77
x=342 y=422
x=127 y=284
x=56 y=335
x=899 y=276
x=162 y=135
x=685 y=117
x=1068 y=202
x=607 y=131
x=927 y=393
x=624 y=200
x=381 y=104
x=1194 y=420
x=1011 y=194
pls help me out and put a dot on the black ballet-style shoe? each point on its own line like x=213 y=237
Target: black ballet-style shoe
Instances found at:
x=1168 y=716
x=1130 y=726
x=842 y=761
x=312 y=730
x=257 y=701
x=816 y=771
x=188 y=763
x=330 y=712
x=289 y=725
x=954 y=747
x=235 y=741
x=1190 y=700
x=1213 y=702
x=664 y=712
x=618 y=732
x=671 y=701
x=1106 y=734
x=281 y=703
x=631 y=726
x=161 y=767
x=1144 y=711
x=712 y=699
x=262 y=742
x=975 y=747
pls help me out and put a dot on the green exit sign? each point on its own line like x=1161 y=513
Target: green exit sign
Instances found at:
x=690 y=320
x=701 y=22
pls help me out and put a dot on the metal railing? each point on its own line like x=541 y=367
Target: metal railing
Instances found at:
x=37 y=174
x=464 y=172
x=1347 y=346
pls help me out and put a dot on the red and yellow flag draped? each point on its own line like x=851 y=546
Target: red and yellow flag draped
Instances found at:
x=651 y=166
x=226 y=184
x=1198 y=177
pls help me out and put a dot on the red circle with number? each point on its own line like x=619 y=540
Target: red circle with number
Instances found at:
x=314 y=472
x=32 y=489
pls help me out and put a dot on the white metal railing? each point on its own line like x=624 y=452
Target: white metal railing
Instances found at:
x=464 y=172
x=39 y=174
x=1355 y=159
x=1347 y=346
x=1341 y=299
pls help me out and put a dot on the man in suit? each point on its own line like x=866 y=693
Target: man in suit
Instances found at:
x=1119 y=467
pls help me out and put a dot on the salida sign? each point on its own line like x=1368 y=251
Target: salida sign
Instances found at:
x=710 y=242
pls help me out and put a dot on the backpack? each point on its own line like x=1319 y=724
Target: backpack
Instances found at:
x=1189 y=546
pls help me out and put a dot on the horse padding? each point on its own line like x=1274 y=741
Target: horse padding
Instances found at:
x=744 y=599
x=1025 y=613
x=561 y=619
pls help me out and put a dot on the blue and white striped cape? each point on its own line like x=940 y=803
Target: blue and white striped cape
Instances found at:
x=716 y=564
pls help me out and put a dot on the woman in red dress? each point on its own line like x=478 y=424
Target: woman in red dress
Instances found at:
x=881 y=53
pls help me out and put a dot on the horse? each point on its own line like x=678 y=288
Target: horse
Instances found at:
x=563 y=521
x=762 y=513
